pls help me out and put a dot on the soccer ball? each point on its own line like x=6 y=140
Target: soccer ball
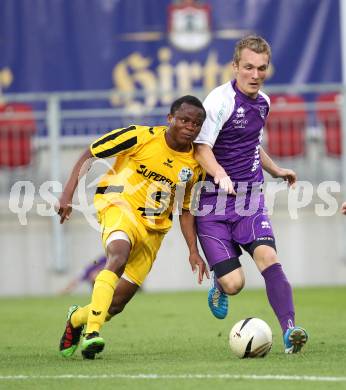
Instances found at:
x=250 y=338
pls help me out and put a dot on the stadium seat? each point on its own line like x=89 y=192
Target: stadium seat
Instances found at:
x=286 y=126
x=17 y=127
x=328 y=114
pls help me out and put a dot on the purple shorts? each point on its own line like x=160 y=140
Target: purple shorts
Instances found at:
x=221 y=238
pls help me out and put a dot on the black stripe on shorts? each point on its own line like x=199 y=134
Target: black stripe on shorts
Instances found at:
x=226 y=266
x=268 y=241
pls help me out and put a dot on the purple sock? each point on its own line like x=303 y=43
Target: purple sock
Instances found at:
x=279 y=294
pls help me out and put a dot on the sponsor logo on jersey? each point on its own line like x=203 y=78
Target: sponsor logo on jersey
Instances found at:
x=152 y=175
x=263 y=111
x=240 y=112
x=168 y=163
x=185 y=174
x=265 y=225
x=240 y=121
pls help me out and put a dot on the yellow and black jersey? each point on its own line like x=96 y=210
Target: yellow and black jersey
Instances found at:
x=147 y=177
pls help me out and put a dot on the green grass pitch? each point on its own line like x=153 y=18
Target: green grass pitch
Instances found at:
x=174 y=338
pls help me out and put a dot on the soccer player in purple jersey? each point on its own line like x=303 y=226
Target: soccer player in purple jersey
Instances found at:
x=232 y=212
x=89 y=274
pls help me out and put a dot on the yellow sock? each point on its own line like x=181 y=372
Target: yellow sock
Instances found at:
x=80 y=316
x=101 y=299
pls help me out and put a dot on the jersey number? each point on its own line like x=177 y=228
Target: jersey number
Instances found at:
x=161 y=198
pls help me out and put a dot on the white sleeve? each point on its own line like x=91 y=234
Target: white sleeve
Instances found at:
x=219 y=105
x=266 y=97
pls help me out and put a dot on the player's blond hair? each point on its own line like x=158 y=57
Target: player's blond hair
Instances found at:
x=253 y=42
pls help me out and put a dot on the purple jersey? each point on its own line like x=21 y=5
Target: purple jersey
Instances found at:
x=234 y=129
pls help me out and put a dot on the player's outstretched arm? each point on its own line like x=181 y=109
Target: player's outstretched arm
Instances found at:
x=188 y=228
x=70 y=286
x=275 y=171
x=79 y=170
x=205 y=157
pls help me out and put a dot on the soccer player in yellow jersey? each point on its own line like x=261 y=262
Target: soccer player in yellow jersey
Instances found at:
x=134 y=202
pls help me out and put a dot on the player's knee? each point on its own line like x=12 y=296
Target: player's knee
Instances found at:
x=265 y=256
x=232 y=282
x=271 y=259
x=233 y=286
x=268 y=259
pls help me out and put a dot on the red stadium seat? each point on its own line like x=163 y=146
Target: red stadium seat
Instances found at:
x=286 y=126
x=17 y=126
x=328 y=114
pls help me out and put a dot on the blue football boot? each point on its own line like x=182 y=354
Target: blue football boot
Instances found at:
x=294 y=339
x=217 y=301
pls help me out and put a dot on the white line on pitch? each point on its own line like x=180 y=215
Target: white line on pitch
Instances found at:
x=181 y=376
